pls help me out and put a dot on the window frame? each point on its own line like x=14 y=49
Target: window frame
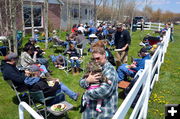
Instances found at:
x=39 y=6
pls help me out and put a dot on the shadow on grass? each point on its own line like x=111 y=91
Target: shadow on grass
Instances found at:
x=121 y=95
x=16 y=101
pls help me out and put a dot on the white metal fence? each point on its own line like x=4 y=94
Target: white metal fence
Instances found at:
x=24 y=106
x=146 y=80
x=151 y=26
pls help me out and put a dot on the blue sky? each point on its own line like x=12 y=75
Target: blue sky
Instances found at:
x=164 y=5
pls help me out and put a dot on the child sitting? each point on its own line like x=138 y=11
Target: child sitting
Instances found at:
x=58 y=61
x=74 y=58
x=94 y=68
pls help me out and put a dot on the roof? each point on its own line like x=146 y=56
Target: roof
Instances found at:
x=83 y=2
x=49 y=1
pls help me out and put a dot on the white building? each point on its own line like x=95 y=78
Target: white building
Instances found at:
x=70 y=13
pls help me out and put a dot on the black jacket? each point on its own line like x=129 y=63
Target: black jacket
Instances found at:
x=43 y=85
x=10 y=72
x=72 y=53
x=121 y=39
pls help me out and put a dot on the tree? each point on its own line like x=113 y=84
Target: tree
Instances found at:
x=46 y=22
x=9 y=12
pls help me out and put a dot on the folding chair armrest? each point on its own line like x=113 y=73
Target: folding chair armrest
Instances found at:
x=60 y=93
x=51 y=97
x=48 y=98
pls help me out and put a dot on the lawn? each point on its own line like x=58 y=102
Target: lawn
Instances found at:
x=166 y=90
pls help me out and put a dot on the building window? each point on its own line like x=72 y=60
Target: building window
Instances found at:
x=75 y=13
x=37 y=13
x=86 y=11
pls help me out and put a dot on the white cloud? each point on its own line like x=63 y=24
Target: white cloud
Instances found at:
x=177 y=2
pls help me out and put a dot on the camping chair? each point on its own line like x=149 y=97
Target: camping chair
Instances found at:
x=69 y=68
x=39 y=102
x=18 y=91
x=53 y=59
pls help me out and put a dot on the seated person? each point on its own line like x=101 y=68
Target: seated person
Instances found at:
x=50 y=86
x=40 y=58
x=36 y=35
x=74 y=58
x=130 y=70
x=58 y=61
x=56 y=39
x=93 y=38
x=27 y=60
x=10 y=71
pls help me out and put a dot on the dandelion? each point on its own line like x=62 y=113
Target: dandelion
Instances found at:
x=161 y=114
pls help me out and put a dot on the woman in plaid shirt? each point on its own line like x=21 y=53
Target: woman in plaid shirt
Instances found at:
x=107 y=92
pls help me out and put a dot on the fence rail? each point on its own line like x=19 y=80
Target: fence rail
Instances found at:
x=24 y=106
x=151 y=26
x=146 y=81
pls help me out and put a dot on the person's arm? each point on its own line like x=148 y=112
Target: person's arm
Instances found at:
x=84 y=82
x=128 y=39
x=141 y=63
x=29 y=60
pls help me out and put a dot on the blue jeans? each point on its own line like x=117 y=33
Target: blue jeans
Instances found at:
x=75 y=63
x=124 y=71
x=68 y=91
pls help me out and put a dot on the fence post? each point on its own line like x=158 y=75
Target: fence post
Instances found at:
x=148 y=64
x=165 y=43
x=149 y=25
x=159 y=61
x=159 y=27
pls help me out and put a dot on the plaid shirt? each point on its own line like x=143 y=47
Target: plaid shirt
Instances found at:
x=107 y=92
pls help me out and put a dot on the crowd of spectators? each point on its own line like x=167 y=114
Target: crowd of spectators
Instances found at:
x=101 y=96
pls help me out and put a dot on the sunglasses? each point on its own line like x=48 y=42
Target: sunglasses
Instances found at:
x=96 y=58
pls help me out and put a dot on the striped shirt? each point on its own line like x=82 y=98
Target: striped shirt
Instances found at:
x=107 y=92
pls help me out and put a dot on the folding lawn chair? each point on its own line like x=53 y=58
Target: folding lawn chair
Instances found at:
x=40 y=103
x=20 y=92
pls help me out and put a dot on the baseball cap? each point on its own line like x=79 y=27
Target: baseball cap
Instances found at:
x=143 y=50
x=33 y=68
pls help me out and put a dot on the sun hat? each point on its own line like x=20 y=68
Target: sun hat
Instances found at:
x=92 y=36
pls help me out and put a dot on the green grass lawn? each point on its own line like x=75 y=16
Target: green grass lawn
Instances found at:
x=166 y=90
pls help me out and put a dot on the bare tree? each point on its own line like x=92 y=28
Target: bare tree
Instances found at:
x=46 y=22
x=22 y=15
x=32 y=19
x=79 y=11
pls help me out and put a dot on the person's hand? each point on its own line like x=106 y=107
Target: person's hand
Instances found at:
x=132 y=66
x=35 y=52
x=93 y=78
x=57 y=80
x=123 y=49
